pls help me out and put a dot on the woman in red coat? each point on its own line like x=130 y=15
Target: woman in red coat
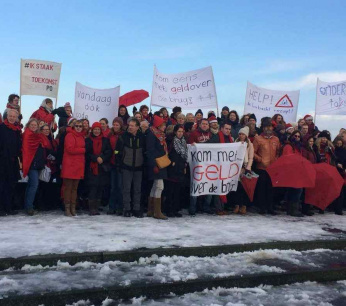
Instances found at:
x=44 y=113
x=73 y=165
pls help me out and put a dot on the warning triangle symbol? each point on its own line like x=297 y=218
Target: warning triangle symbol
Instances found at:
x=285 y=101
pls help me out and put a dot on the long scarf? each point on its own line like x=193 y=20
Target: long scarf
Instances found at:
x=13 y=106
x=31 y=142
x=97 y=149
x=180 y=147
x=12 y=126
x=160 y=136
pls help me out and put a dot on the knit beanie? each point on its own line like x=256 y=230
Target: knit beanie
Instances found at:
x=324 y=133
x=225 y=108
x=67 y=104
x=158 y=121
x=245 y=130
x=211 y=113
x=119 y=120
x=177 y=109
x=199 y=111
x=96 y=125
x=253 y=116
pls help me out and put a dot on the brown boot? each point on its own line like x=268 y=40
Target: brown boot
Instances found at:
x=242 y=210
x=236 y=209
x=150 y=212
x=68 y=210
x=157 y=210
x=73 y=209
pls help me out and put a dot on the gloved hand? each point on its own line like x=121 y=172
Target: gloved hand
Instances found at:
x=156 y=170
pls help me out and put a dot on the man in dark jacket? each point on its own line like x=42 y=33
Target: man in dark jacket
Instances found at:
x=10 y=147
x=64 y=113
x=130 y=148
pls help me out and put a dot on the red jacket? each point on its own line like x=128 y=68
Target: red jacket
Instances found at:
x=289 y=149
x=198 y=136
x=310 y=155
x=73 y=162
x=43 y=115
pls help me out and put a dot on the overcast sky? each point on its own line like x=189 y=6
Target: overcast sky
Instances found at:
x=273 y=44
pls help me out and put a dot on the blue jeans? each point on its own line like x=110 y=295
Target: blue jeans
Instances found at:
x=31 y=189
x=206 y=204
x=116 y=196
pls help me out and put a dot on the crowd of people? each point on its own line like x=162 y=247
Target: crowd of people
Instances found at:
x=137 y=163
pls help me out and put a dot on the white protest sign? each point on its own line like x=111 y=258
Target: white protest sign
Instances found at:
x=331 y=98
x=266 y=103
x=215 y=168
x=190 y=90
x=94 y=104
x=39 y=78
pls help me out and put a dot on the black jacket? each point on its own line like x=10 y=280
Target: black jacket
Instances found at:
x=130 y=150
x=104 y=168
x=155 y=150
x=10 y=150
x=176 y=170
x=63 y=117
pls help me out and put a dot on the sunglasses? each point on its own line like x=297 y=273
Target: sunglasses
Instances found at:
x=78 y=126
x=296 y=136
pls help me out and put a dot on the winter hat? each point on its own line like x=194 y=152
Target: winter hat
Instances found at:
x=245 y=130
x=119 y=120
x=67 y=104
x=199 y=111
x=253 y=116
x=212 y=119
x=288 y=127
x=307 y=117
x=96 y=125
x=211 y=113
x=69 y=120
x=225 y=108
x=324 y=133
x=158 y=121
x=177 y=109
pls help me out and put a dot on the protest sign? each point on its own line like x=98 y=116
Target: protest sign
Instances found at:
x=40 y=78
x=215 y=168
x=190 y=90
x=266 y=103
x=94 y=104
x=331 y=98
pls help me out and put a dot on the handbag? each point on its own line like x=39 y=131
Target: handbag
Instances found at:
x=163 y=161
x=45 y=174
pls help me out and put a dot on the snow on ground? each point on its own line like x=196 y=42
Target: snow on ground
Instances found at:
x=52 y=232
x=299 y=294
x=38 y=279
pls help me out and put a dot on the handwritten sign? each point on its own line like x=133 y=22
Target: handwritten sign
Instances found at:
x=94 y=104
x=215 y=168
x=266 y=103
x=190 y=90
x=39 y=78
x=331 y=98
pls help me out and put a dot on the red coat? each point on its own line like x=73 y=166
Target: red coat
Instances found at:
x=73 y=162
x=43 y=115
x=288 y=149
x=113 y=139
x=310 y=155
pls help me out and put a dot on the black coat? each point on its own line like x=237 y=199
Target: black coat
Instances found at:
x=155 y=150
x=10 y=149
x=63 y=117
x=104 y=169
x=176 y=170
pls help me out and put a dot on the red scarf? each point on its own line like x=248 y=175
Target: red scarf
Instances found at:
x=105 y=133
x=31 y=142
x=160 y=136
x=13 y=127
x=222 y=137
x=97 y=149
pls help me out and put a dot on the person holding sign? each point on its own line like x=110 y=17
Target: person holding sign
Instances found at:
x=266 y=149
x=156 y=149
